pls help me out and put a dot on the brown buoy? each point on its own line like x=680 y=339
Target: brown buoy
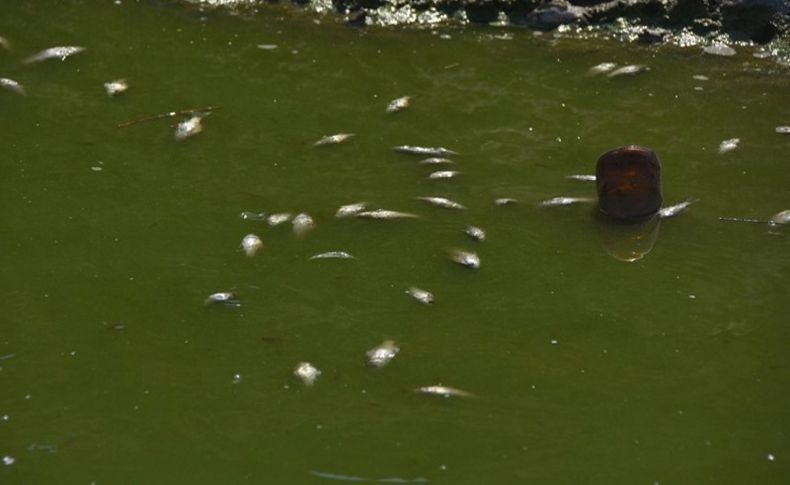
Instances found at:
x=628 y=180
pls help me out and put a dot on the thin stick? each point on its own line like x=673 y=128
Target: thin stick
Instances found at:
x=170 y=114
x=737 y=219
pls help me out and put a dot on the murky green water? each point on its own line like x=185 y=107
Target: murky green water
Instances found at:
x=586 y=369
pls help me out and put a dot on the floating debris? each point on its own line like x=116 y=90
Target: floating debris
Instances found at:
x=350 y=210
x=443 y=391
x=465 y=258
x=436 y=161
x=253 y=216
x=380 y=356
x=783 y=130
x=719 y=49
x=277 y=219
x=560 y=201
x=582 y=177
x=266 y=47
x=385 y=214
x=423 y=296
x=251 y=244
x=505 y=201
x=601 y=68
x=307 y=373
x=224 y=297
x=475 y=233
x=444 y=174
x=61 y=52
x=673 y=210
x=189 y=127
x=442 y=202
x=333 y=255
x=729 y=145
x=12 y=85
x=425 y=151
x=398 y=104
x=630 y=70
x=118 y=86
x=302 y=223
x=334 y=139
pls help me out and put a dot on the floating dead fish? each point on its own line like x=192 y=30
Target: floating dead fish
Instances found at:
x=189 y=127
x=443 y=391
x=505 y=201
x=700 y=77
x=251 y=244
x=277 y=219
x=333 y=139
x=475 y=233
x=719 y=49
x=350 y=210
x=380 y=356
x=302 y=223
x=436 y=161
x=116 y=87
x=422 y=296
x=584 y=177
x=398 y=104
x=444 y=174
x=673 y=210
x=307 y=373
x=442 y=202
x=780 y=218
x=783 y=130
x=560 y=201
x=601 y=68
x=266 y=47
x=5 y=44
x=385 y=214
x=12 y=85
x=61 y=52
x=630 y=70
x=425 y=151
x=224 y=297
x=333 y=255
x=253 y=216
x=729 y=145
x=465 y=258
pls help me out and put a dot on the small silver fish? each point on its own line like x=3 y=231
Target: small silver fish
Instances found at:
x=302 y=223
x=560 y=201
x=307 y=373
x=251 y=244
x=333 y=255
x=118 y=86
x=444 y=174
x=189 y=127
x=582 y=177
x=333 y=139
x=465 y=258
x=350 y=210
x=601 y=68
x=436 y=161
x=475 y=233
x=12 y=85
x=630 y=70
x=425 y=151
x=398 y=104
x=442 y=202
x=386 y=214
x=423 y=296
x=673 y=210
x=443 y=391
x=277 y=219
x=380 y=356
x=783 y=130
x=222 y=297
x=729 y=145
x=61 y=52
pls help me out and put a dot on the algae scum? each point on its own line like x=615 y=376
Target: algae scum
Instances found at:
x=142 y=343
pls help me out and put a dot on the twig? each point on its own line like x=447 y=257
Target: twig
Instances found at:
x=170 y=114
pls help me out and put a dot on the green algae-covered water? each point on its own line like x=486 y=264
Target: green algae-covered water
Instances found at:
x=673 y=368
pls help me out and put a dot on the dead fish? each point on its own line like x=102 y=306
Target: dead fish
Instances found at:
x=601 y=68
x=475 y=233
x=277 y=219
x=4 y=43
x=224 y=297
x=780 y=218
x=422 y=296
x=560 y=201
x=266 y=47
x=444 y=174
x=350 y=210
x=12 y=85
x=251 y=244
x=302 y=223
x=118 y=86
x=505 y=201
x=630 y=70
x=307 y=373
x=61 y=52
x=385 y=214
x=252 y=216
x=442 y=202
x=700 y=77
x=380 y=356
x=783 y=130
x=333 y=139
x=583 y=177
x=729 y=145
x=189 y=127
x=425 y=151
x=673 y=210
x=465 y=258
x=443 y=391
x=436 y=161
x=333 y=255
x=398 y=104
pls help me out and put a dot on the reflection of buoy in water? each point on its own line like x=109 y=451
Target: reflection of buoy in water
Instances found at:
x=628 y=181
x=628 y=242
